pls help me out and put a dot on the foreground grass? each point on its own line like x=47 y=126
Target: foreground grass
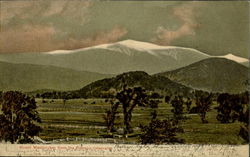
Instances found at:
x=84 y=118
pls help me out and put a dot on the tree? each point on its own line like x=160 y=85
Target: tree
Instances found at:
x=153 y=104
x=203 y=101
x=230 y=108
x=129 y=98
x=160 y=131
x=188 y=104
x=235 y=107
x=167 y=98
x=178 y=108
x=19 y=117
x=244 y=130
x=66 y=96
x=110 y=116
x=155 y=95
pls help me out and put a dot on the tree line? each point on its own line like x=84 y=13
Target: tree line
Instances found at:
x=231 y=108
x=19 y=118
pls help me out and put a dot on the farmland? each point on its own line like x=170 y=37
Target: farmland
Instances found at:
x=83 y=118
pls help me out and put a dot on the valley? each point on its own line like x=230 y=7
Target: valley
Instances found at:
x=76 y=119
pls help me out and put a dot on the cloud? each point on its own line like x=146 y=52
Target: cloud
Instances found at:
x=27 y=39
x=186 y=14
x=12 y=9
x=72 y=10
x=24 y=9
x=31 y=34
x=55 y=7
x=39 y=38
x=102 y=37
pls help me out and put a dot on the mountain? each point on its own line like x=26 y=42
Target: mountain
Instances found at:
x=235 y=58
x=132 y=79
x=28 y=77
x=115 y=58
x=213 y=74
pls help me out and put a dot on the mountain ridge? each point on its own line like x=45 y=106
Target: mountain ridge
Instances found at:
x=139 y=45
x=132 y=79
x=119 y=57
x=212 y=74
x=29 y=77
x=114 y=58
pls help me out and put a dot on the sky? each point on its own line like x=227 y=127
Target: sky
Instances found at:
x=215 y=28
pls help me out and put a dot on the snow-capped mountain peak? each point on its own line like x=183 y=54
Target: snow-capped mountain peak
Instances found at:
x=127 y=47
x=59 y=52
x=139 y=44
x=234 y=58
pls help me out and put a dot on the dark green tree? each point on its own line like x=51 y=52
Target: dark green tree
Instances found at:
x=66 y=96
x=244 y=118
x=178 y=108
x=160 y=132
x=19 y=118
x=230 y=108
x=203 y=101
x=111 y=116
x=188 y=103
x=153 y=104
x=167 y=98
x=155 y=95
x=129 y=98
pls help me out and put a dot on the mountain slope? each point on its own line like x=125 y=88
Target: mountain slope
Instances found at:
x=116 y=58
x=213 y=74
x=27 y=77
x=132 y=79
x=237 y=59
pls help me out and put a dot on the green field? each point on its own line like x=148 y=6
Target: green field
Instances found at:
x=83 y=118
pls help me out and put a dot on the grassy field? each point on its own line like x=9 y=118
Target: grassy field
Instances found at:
x=84 y=118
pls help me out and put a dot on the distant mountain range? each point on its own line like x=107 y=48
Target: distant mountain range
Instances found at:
x=74 y=69
x=27 y=77
x=133 y=79
x=116 y=58
x=212 y=74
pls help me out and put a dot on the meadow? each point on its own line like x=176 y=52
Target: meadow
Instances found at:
x=83 y=118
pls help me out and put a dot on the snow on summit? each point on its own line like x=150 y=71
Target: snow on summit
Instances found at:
x=126 y=46
x=59 y=52
x=234 y=58
x=140 y=44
